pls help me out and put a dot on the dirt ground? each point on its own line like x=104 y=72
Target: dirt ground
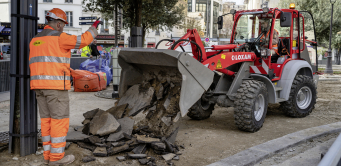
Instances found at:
x=210 y=140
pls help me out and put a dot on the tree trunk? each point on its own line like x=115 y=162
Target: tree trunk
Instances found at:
x=138 y=13
x=143 y=35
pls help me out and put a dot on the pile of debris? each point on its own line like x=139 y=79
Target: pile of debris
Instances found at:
x=143 y=122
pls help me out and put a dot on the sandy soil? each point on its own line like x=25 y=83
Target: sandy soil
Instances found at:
x=210 y=140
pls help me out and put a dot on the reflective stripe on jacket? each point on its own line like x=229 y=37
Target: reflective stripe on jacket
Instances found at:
x=50 y=55
x=86 y=51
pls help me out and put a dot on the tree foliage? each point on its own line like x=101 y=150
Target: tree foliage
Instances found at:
x=148 y=14
x=192 y=23
x=321 y=11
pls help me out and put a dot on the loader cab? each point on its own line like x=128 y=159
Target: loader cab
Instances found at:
x=285 y=34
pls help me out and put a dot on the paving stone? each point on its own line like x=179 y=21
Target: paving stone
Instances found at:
x=74 y=136
x=115 y=150
x=158 y=146
x=68 y=145
x=137 y=156
x=118 y=111
x=116 y=144
x=100 y=151
x=172 y=137
x=86 y=146
x=126 y=127
x=168 y=156
x=92 y=113
x=167 y=120
x=135 y=99
x=143 y=161
x=140 y=149
x=88 y=159
x=121 y=158
x=94 y=139
x=144 y=139
x=103 y=124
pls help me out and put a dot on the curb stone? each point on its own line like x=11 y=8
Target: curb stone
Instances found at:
x=263 y=151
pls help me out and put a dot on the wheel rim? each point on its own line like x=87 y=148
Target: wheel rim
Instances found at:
x=259 y=107
x=204 y=104
x=303 y=98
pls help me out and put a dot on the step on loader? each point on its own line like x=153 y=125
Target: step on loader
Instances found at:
x=267 y=61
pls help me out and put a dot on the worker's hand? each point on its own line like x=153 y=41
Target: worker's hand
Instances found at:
x=91 y=56
x=95 y=25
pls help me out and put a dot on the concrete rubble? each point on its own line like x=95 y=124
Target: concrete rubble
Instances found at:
x=141 y=126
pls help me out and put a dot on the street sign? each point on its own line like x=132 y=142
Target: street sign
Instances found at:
x=88 y=18
x=207 y=39
x=86 y=23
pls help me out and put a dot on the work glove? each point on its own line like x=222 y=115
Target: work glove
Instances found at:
x=96 y=23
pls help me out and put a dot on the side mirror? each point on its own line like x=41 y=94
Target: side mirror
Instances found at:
x=220 y=22
x=286 y=19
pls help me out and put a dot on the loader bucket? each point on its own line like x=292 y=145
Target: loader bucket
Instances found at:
x=139 y=63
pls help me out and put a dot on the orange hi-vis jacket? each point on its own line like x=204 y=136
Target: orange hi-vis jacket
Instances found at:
x=50 y=54
x=275 y=46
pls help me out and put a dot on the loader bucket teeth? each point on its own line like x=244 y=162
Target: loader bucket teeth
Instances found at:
x=172 y=66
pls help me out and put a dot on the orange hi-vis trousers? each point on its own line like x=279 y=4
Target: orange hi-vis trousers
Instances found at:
x=54 y=113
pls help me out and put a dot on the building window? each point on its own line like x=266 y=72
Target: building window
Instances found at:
x=47 y=0
x=45 y=16
x=200 y=7
x=68 y=1
x=69 y=19
x=189 y=5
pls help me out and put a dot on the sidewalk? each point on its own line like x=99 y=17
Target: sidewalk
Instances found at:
x=4 y=96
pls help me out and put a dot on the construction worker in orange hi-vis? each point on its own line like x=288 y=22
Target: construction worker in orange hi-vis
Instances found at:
x=50 y=54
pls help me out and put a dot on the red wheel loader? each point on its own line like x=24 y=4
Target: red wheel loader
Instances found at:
x=256 y=68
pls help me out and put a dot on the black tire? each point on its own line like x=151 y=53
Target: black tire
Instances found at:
x=291 y=107
x=200 y=110
x=248 y=93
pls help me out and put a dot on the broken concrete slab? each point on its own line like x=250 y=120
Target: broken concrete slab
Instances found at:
x=168 y=156
x=101 y=145
x=73 y=136
x=121 y=158
x=86 y=146
x=177 y=117
x=86 y=121
x=140 y=116
x=140 y=149
x=172 y=137
x=167 y=102
x=145 y=139
x=67 y=145
x=158 y=146
x=143 y=161
x=167 y=120
x=100 y=151
x=92 y=113
x=137 y=156
x=118 y=111
x=78 y=128
x=136 y=99
x=88 y=159
x=176 y=158
x=126 y=127
x=86 y=129
x=115 y=150
x=94 y=139
x=169 y=146
x=103 y=124
x=116 y=144
x=127 y=136
x=159 y=93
